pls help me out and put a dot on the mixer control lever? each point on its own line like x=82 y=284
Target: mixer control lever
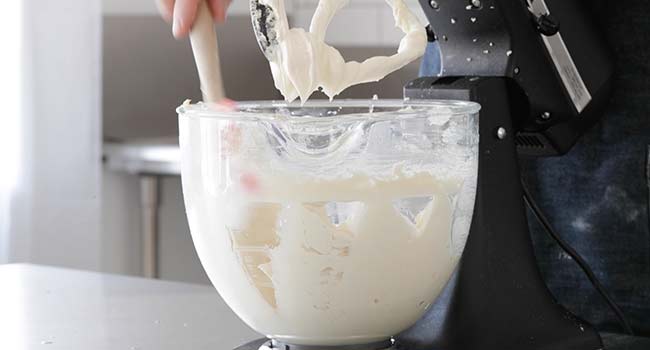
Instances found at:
x=547 y=24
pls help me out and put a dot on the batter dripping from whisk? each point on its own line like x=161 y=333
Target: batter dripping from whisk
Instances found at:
x=301 y=62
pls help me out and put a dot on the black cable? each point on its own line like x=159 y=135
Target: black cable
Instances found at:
x=577 y=258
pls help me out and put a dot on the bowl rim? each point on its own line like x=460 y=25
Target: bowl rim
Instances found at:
x=240 y=111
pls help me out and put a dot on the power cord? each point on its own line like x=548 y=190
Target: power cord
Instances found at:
x=622 y=320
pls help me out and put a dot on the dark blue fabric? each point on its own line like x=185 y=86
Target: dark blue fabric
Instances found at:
x=596 y=196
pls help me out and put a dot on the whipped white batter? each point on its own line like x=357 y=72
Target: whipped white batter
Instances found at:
x=303 y=62
x=295 y=271
x=292 y=273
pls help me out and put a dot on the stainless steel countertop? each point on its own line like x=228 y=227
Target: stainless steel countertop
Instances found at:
x=153 y=156
x=55 y=308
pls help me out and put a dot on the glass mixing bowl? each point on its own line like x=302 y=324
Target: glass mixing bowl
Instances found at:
x=331 y=223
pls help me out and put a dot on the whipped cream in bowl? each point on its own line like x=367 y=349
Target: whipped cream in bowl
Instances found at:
x=330 y=223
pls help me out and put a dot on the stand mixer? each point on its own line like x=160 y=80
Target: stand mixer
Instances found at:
x=542 y=77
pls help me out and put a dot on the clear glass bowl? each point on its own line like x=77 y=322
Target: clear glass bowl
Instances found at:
x=332 y=223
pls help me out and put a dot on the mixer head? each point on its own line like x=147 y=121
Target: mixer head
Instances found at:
x=551 y=49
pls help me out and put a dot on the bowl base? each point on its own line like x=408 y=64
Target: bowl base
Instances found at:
x=266 y=344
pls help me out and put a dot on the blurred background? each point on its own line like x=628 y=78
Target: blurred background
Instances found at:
x=89 y=174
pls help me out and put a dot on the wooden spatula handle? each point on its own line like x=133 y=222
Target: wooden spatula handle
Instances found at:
x=206 y=54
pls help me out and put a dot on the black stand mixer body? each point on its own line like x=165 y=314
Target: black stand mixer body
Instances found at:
x=542 y=74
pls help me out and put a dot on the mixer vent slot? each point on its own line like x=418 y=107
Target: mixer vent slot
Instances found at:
x=529 y=141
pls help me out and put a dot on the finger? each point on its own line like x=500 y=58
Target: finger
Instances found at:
x=216 y=8
x=219 y=9
x=166 y=9
x=184 y=16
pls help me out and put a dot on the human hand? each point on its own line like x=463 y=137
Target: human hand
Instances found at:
x=182 y=13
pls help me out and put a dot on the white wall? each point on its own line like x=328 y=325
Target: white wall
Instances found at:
x=10 y=123
x=55 y=205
